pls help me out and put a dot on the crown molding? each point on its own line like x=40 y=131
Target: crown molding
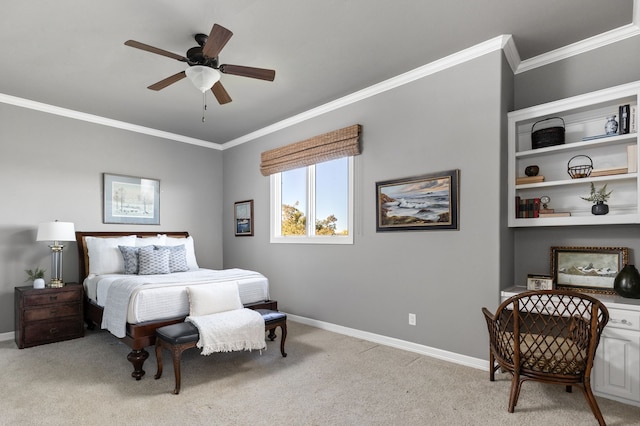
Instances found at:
x=96 y=119
x=454 y=59
x=591 y=43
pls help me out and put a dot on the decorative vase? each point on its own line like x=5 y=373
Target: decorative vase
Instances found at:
x=627 y=282
x=611 y=126
x=600 y=208
x=531 y=170
x=38 y=283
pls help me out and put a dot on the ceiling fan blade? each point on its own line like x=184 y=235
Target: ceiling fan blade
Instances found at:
x=158 y=51
x=167 y=81
x=220 y=93
x=260 y=73
x=218 y=38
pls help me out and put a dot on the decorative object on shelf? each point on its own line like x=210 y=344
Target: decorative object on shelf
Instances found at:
x=56 y=232
x=532 y=170
x=539 y=282
x=243 y=215
x=598 y=198
x=523 y=180
x=611 y=126
x=36 y=276
x=624 y=112
x=419 y=203
x=588 y=268
x=627 y=282
x=545 y=200
x=130 y=199
x=579 y=169
x=549 y=136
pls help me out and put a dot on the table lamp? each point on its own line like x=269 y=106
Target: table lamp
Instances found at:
x=56 y=232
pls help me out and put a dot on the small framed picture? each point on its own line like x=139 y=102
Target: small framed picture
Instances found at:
x=243 y=217
x=539 y=282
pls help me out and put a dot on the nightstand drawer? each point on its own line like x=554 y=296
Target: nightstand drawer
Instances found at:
x=45 y=298
x=43 y=332
x=52 y=311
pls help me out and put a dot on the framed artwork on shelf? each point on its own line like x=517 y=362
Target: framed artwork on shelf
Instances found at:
x=131 y=200
x=590 y=269
x=243 y=218
x=539 y=282
x=420 y=203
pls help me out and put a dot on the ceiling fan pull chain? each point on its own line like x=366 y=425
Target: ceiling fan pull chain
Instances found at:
x=204 y=104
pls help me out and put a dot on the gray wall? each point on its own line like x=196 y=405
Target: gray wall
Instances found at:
x=51 y=168
x=607 y=66
x=452 y=119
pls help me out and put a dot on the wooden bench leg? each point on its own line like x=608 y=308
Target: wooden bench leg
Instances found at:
x=283 y=329
x=158 y=359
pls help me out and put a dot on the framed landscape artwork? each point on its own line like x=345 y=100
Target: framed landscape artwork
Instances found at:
x=427 y=202
x=243 y=218
x=591 y=269
x=131 y=200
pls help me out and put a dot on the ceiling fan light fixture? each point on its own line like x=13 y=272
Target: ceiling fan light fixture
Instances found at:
x=202 y=77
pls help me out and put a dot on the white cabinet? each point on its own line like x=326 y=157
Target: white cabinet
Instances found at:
x=584 y=116
x=616 y=371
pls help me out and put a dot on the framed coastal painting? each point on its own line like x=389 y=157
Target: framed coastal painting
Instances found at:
x=243 y=218
x=591 y=269
x=131 y=200
x=419 y=203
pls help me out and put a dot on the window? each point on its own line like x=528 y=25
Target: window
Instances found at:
x=313 y=204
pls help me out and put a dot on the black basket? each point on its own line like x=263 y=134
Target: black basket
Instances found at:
x=549 y=136
x=578 y=171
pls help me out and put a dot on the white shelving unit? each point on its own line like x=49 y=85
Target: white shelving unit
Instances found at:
x=584 y=116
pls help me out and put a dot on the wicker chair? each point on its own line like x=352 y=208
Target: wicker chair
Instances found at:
x=557 y=333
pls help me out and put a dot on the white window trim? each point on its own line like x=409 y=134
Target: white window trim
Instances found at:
x=275 y=197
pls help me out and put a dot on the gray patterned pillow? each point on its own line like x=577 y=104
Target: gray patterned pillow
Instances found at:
x=130 y=257
x=177 y=257
x=153 y=261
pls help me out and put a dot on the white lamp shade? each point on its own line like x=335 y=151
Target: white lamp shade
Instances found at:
x=202 y=77
x=56 y=231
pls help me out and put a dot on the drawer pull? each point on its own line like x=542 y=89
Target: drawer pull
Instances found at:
x=53 y=330
x=52 y=298
x=53 y=312
x=624 y=321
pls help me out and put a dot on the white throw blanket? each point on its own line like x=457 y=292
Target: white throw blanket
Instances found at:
x=236 y=330
x=114 y=316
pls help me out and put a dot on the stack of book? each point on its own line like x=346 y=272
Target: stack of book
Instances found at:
x=527 y=207
x=529 y=179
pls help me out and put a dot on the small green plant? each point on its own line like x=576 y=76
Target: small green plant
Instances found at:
x=35 y=273
x=598 y=196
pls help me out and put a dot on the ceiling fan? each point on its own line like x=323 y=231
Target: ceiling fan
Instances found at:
x=206 y=55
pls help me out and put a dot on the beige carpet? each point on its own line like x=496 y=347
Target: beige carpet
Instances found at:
x=327 y=379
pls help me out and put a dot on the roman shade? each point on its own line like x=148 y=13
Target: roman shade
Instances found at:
x=329 y=146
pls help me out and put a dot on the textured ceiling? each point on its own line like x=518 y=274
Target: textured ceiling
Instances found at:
x=70 y=53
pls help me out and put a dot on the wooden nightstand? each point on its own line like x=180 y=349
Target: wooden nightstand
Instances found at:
x=48 y=315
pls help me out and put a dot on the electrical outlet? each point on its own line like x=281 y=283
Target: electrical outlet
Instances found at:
x=412 y=319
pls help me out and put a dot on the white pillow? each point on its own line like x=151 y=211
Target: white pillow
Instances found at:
x=158 y=240
x=188 y=245
x=104 y=254
x=206 y=299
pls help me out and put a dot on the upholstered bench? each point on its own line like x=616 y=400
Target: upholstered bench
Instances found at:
x=182 y=336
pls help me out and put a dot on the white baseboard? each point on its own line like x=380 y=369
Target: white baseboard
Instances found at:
x=7 y=336
x=395 y=343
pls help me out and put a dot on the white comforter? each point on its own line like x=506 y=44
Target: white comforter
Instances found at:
x=114 y=317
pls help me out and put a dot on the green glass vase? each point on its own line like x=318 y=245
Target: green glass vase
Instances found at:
x=627 y=282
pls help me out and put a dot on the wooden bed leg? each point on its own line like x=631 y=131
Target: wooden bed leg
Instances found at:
x=137 y=357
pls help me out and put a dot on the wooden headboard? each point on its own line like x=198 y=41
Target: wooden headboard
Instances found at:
x=83 y=260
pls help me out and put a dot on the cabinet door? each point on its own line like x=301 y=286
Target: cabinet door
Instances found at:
x=617 y=364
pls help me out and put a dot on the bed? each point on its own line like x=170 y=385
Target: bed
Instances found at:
x=132 y=299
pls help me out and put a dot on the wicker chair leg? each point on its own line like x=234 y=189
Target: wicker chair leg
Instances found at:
x=591 y=400
x=569 y=388
x=515 y=391
x=492 y=367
